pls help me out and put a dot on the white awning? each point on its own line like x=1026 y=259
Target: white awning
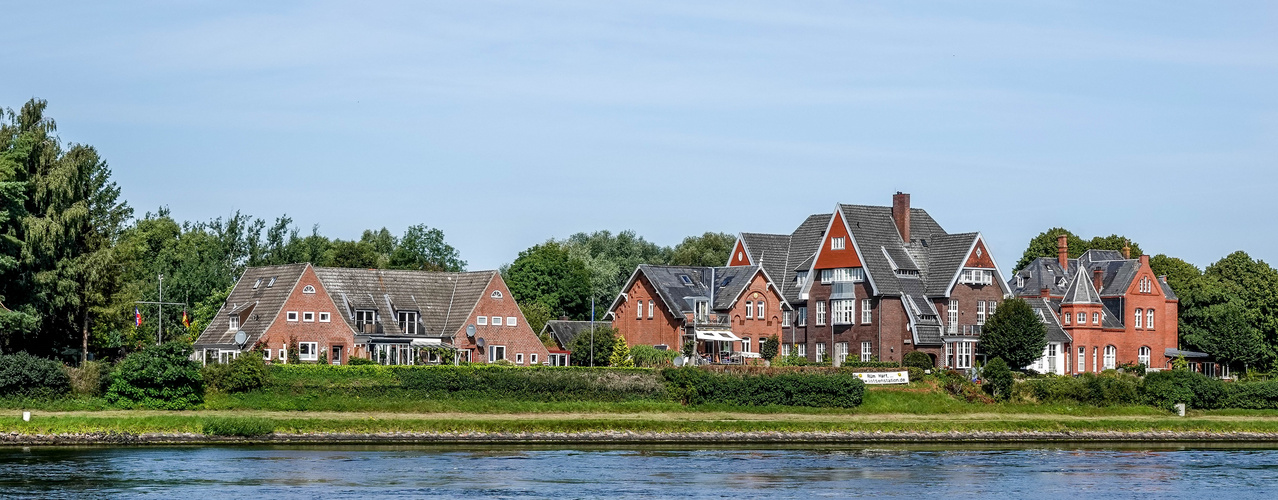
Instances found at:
x=722 y=335
x=426 y=342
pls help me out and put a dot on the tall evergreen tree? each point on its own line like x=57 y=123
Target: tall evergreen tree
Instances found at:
x=1014 y=333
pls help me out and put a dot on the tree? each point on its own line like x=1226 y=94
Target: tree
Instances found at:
x=1044 y=245
x=710 y=249
x=620 y=356
x=355 y=254
x=998 y=378
x=597 y=347
x=769 y=348
x=536 y=314
x=1178 y=272
x=1231 y=311
x=1014 y=333
x=547 y=274
x=611 y=259
x=424 y=248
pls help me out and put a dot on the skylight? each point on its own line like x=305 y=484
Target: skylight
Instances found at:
x=686 y=279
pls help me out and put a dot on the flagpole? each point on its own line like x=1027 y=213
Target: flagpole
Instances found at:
x=159 y=334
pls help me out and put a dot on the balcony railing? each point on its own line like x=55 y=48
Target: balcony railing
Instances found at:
x=972 y=330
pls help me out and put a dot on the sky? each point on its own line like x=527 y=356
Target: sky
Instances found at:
x=508 y=123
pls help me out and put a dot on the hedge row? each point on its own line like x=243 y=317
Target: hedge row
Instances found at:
x=829 y=390
x=1162 y=389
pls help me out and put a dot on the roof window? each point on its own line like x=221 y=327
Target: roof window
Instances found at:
x=271 y=283
x=686 y=280
x=257 y=283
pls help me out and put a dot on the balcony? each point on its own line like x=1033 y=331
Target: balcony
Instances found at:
x=971 y=330
x=842 y=290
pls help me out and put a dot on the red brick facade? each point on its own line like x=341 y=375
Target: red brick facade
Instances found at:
x=521 y=344
x=643 y=319
x=315 y=318
x=1127 y=341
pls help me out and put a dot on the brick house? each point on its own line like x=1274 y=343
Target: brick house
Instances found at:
x=1110 y=310
x=875 y=282
x=391 y=316
x=727 y=311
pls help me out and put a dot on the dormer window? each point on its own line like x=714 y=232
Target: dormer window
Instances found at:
x=838 y=243
x=977 y=277
x=408 y=322
x=235 y=322
x=1020 y=281
x=1061 y=282
x=800 y=278
x=702 y=311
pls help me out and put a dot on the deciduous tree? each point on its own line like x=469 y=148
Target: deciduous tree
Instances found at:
x=1014 y=333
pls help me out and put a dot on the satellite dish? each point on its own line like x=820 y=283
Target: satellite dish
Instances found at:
x=679 y=361
x=470 y=330
x=241 y=338
x=479 y=341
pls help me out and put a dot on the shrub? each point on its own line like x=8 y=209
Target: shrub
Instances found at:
x=918 y=359
x=998 y=379
x=1253 y=395
x=541 y=383
x=651 y=357
x=353 y=361
x=958 y=385
x=871 y=364
x=238 y=426
x=247 y=372
x=769 y=348
x=90 y=378
x=916 y=373
x=160 y=377
x=582 y=346
x=1165 y=389
x=22 y=374
x=620 y=356
x=695 y=386
x=1088 y=388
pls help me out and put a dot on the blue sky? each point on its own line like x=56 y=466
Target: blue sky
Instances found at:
x=508 y=123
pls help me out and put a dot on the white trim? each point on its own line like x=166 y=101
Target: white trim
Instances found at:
x=291 y=316
x=325 y=317
x=313 y=356
x=744 y=248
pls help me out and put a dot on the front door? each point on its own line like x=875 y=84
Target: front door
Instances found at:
x=337 y=355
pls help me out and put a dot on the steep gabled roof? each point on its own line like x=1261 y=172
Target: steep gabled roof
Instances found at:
x=875 y=231
x=1081 y=291
x=443 y=300
x=1049 y=311
x=266 y=299
x=946 y=255
x=565 y=331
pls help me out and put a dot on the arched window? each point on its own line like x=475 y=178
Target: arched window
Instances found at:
x=1111 y=354
x=1149 y=319
x=496 y=294
x=1143 y=357
x=308 y=289
x=1140 y=315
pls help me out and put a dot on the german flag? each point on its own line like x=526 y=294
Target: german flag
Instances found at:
x=186 y=320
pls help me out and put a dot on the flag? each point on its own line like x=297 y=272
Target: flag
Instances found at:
x=186 y=320
x=137 y=317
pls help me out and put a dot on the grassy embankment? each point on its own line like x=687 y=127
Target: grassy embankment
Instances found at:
x=345 y=406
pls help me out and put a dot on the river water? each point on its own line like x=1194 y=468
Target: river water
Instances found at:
x=1038 y=471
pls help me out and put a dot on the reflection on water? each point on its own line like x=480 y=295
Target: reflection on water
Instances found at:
x=1046 y=471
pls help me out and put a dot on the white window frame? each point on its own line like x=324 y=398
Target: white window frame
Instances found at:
x=532 y=358
x=370 y=317
x=303 y=355
x=308 y=317
x=847 y=275
x=494 y=321
x=325 y=317
x=1111 y=357
x=952 y=316
x=1095 y=318
x=408 y=322
x=745 y=344
x=481 y=320
x=1082 y=318
x=639 y=310
x=785 y=350
x=495 y=295
x=510 y=321
x=803 y=316
x=820 y=352
x=1142 y=356
x=1066 y=317
x=1140 y=318
x=991 y=305
x=867 y=350
x=492 y=353
x=980 y=312
x=827 y=276
x=1082 y=359
x=785 y=318
x=266 y=354
x=308 y=289
x=867 y=311
x=652 y=308
x=759 y=309
x=519 y=358
x=820 y=313
x=284 y=356
x=842 y=311
x=291 y=316
x=749 y=310
x=963 y=359
x=234 y=321
x=1149 y=319
x=838 y=243
x=803 y=349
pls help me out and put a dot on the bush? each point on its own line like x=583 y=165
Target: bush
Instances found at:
x=1252 y=395
x=918 y=359
x=694 y=386
x=871 y=364
x=238 y=426
x=91 y=378
x=540 y=383
x=1088 y=388
x=958 y=385
x=159 y=377
x=998 y=379
x=1165 y=389
x=769 y=348
x=353 y=361
x=651 y=357
x=246 y=373
x=22 y=374
x=916 y=373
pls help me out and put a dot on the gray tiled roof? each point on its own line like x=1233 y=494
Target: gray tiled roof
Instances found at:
x=946 y=255
x=925 y=319
x=1081 y=291
x=876 y=235
x=265 y=300
x=443 y=300
x=565 y=331
x=728 y=282
x=1167 y=290
x=1049 y=310
x=804 y=242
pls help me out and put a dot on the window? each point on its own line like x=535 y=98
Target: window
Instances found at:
x=1111 y=353
x=745 y=344
x=1020 y=281
x=533 y=358
x=702 y=311
x=841 y=311
x=758 y=309
x=803 y=316
x=308 y=351
x=1140 y=316
x=1082 y=318
x=325 y=317
x=519 y=358
x=292 y=316
x=686 y=280
x=841 y=352
x=510 y=321
x=1142 y=356
x=980 y=312
x=1094 y=357
x=820 y=313
x=803 y=350
x=785 y=350
x=741 y=256
x=1065 y=318
x=308 y=316
x=800 y=278
x=235 y=321
x=867 y=312
x=639 y=310
x=308 y=289
x=257 y=283
x=749 y=310
x=949 y=354
x=977 y=277
x=838 y=243
x=785 y=318
x=1146 y=286
x=964 y=358
x=365 y=317
x=283 y=356
x=495 y=321
x=827 y=275
x=992 y=305
x=952 y=312
x=482 y=321
x=1082 y=359
x=1149 y=319
x=496 y=353
x=495 y=295
x=652 y=308
x=266 y=354
x=408 y=322
x=271 y=283
x=1051 y=358
x=847 y=274
x=1095 y=318
x=820 y=352
x=867 y=352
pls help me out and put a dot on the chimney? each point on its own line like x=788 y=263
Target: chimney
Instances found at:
x=901 y=214
x=563 y=318
x=1098 y=279
x=1144 y=260
x=1127 y=251
x=1062 y=251
x=1045 y=293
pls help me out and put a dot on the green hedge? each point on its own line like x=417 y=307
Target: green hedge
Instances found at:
x=695 y=386
x=159 y=377
x=24 y=375
x=540 y=383
x=1087 y=388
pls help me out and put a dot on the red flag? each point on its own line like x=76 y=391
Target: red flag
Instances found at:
x=137 y=317
x=186 y=320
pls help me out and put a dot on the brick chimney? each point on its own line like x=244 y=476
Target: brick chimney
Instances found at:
x=1062 y=251
x=1098 y=279
x=1127 y=251
x=901 y=214
x=1045 y=293
x=1144 y=260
